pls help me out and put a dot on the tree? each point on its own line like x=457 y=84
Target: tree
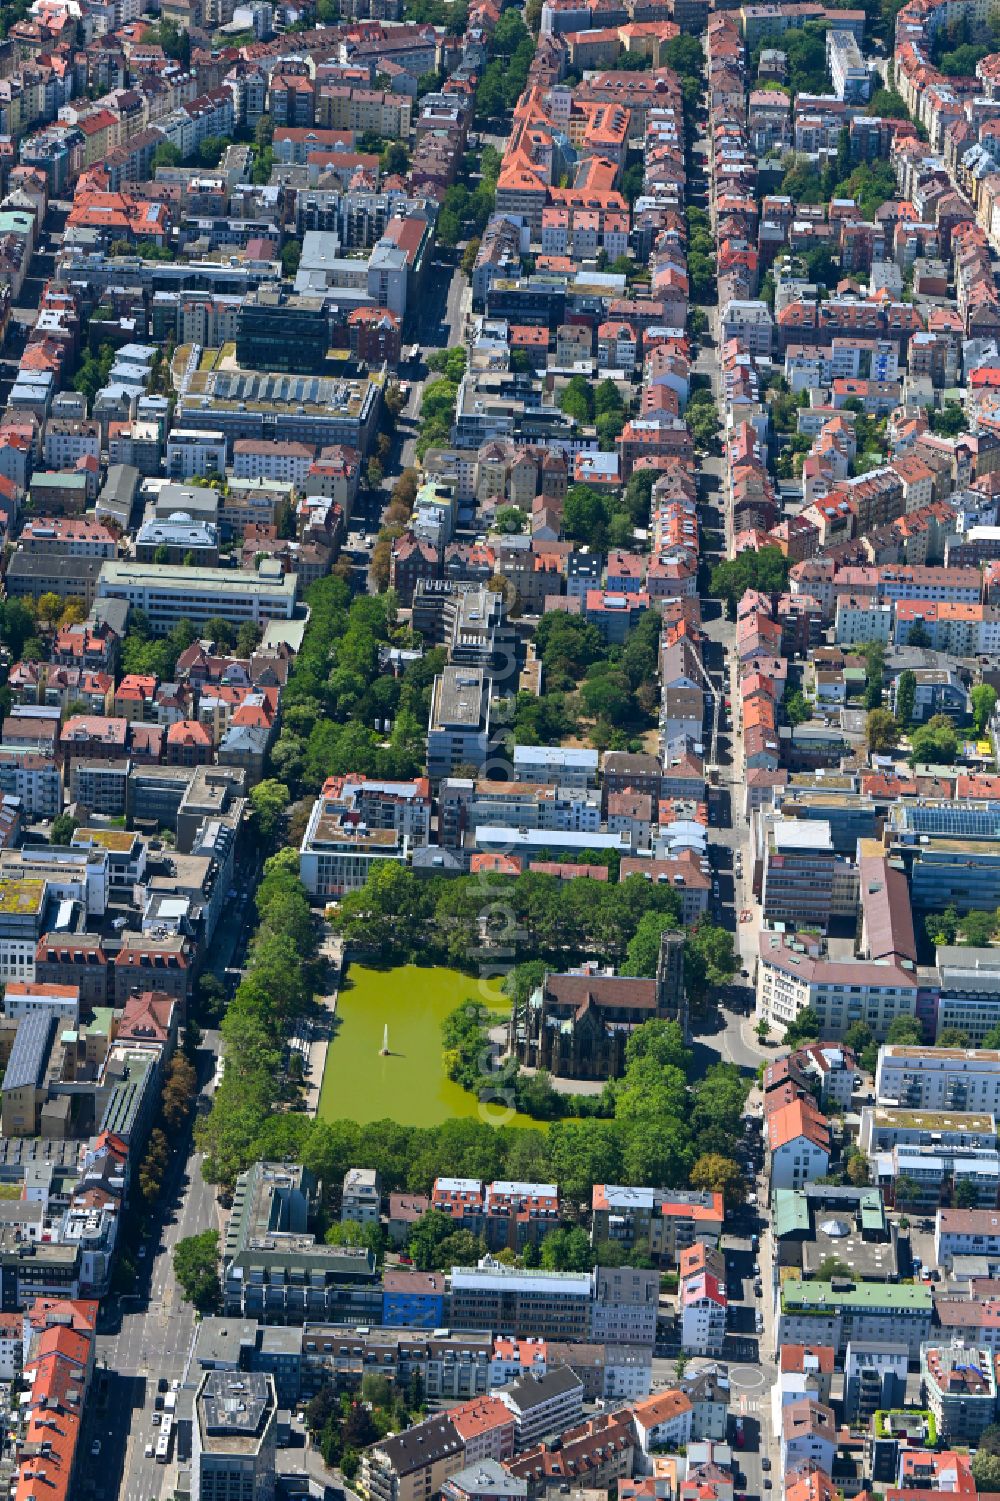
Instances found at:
x=888 y=104
x=942 y=927
x=469 y=254
x=395 y=160
x=977 y=929
x=510 y=519
x=950 y=420
x=643 y=952
x=63 y=829
x=166 y=155
x=906 y=697
x=577 y=399
x=935 y=742
x=697 y=323
x=196 y=1267
x=49 y=607
x=703 y=420
x=247 y=639
x=766 y=571
x=952 y=1037
x=984 y=699
x=804 y=1027
x=986 y=1470
x=881 y=731
x=709 y=961
x=905 y=1031
x=585 y=517
x=661 y=1040
x=567 y=1250
x=830 y=1267
x=858 y=1036
x=797 y=709
x=74 y=612
x=966 y=1194
x=211 y=999
x=425 y=1238
x=713 y=1173
x=685 y=56
x=874 y=655
x=369 y=1237
x=210 y=150
x=291 y=255
x=607 y=398
x=220 y=631
x=175 y=42
x=373 y=474
x=907 y=1191
x=269 y=800
x=179 y=1090
x=857 y=1169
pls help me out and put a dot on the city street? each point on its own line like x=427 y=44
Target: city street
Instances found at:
x=149 y=1334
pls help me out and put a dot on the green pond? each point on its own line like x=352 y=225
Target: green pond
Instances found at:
x=410 y=1085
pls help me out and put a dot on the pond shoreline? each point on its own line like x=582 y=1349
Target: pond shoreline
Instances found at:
x=410 y=1085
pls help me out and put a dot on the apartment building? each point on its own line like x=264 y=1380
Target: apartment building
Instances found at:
x=557 y=765
x=23 y=906
x=273 y=459
x=68 y=536
x=194 y=455
x=966 y=1232
x=946 y=1079
x=547 y=1305
x=274 y=1270
x=167 y=595
x=960 y=1388
x=465 y=805
x=798 y=1141
x=413 y=1465
x=234 y=1436
x=703 y=1300
x=459 y=725
x=792 y=976
x=970 y=991
x=543 y=1403
x=841 y=1312
x=70 y=439
x=664 y=1222
x=337 y=853
x=805 y=881
x=625 y=1304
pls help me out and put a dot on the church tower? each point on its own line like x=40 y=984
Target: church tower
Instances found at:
x=671 y=999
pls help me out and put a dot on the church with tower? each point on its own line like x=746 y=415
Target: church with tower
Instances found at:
x=577 y=1025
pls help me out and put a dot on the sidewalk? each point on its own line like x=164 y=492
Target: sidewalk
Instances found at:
x=321 y=1027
